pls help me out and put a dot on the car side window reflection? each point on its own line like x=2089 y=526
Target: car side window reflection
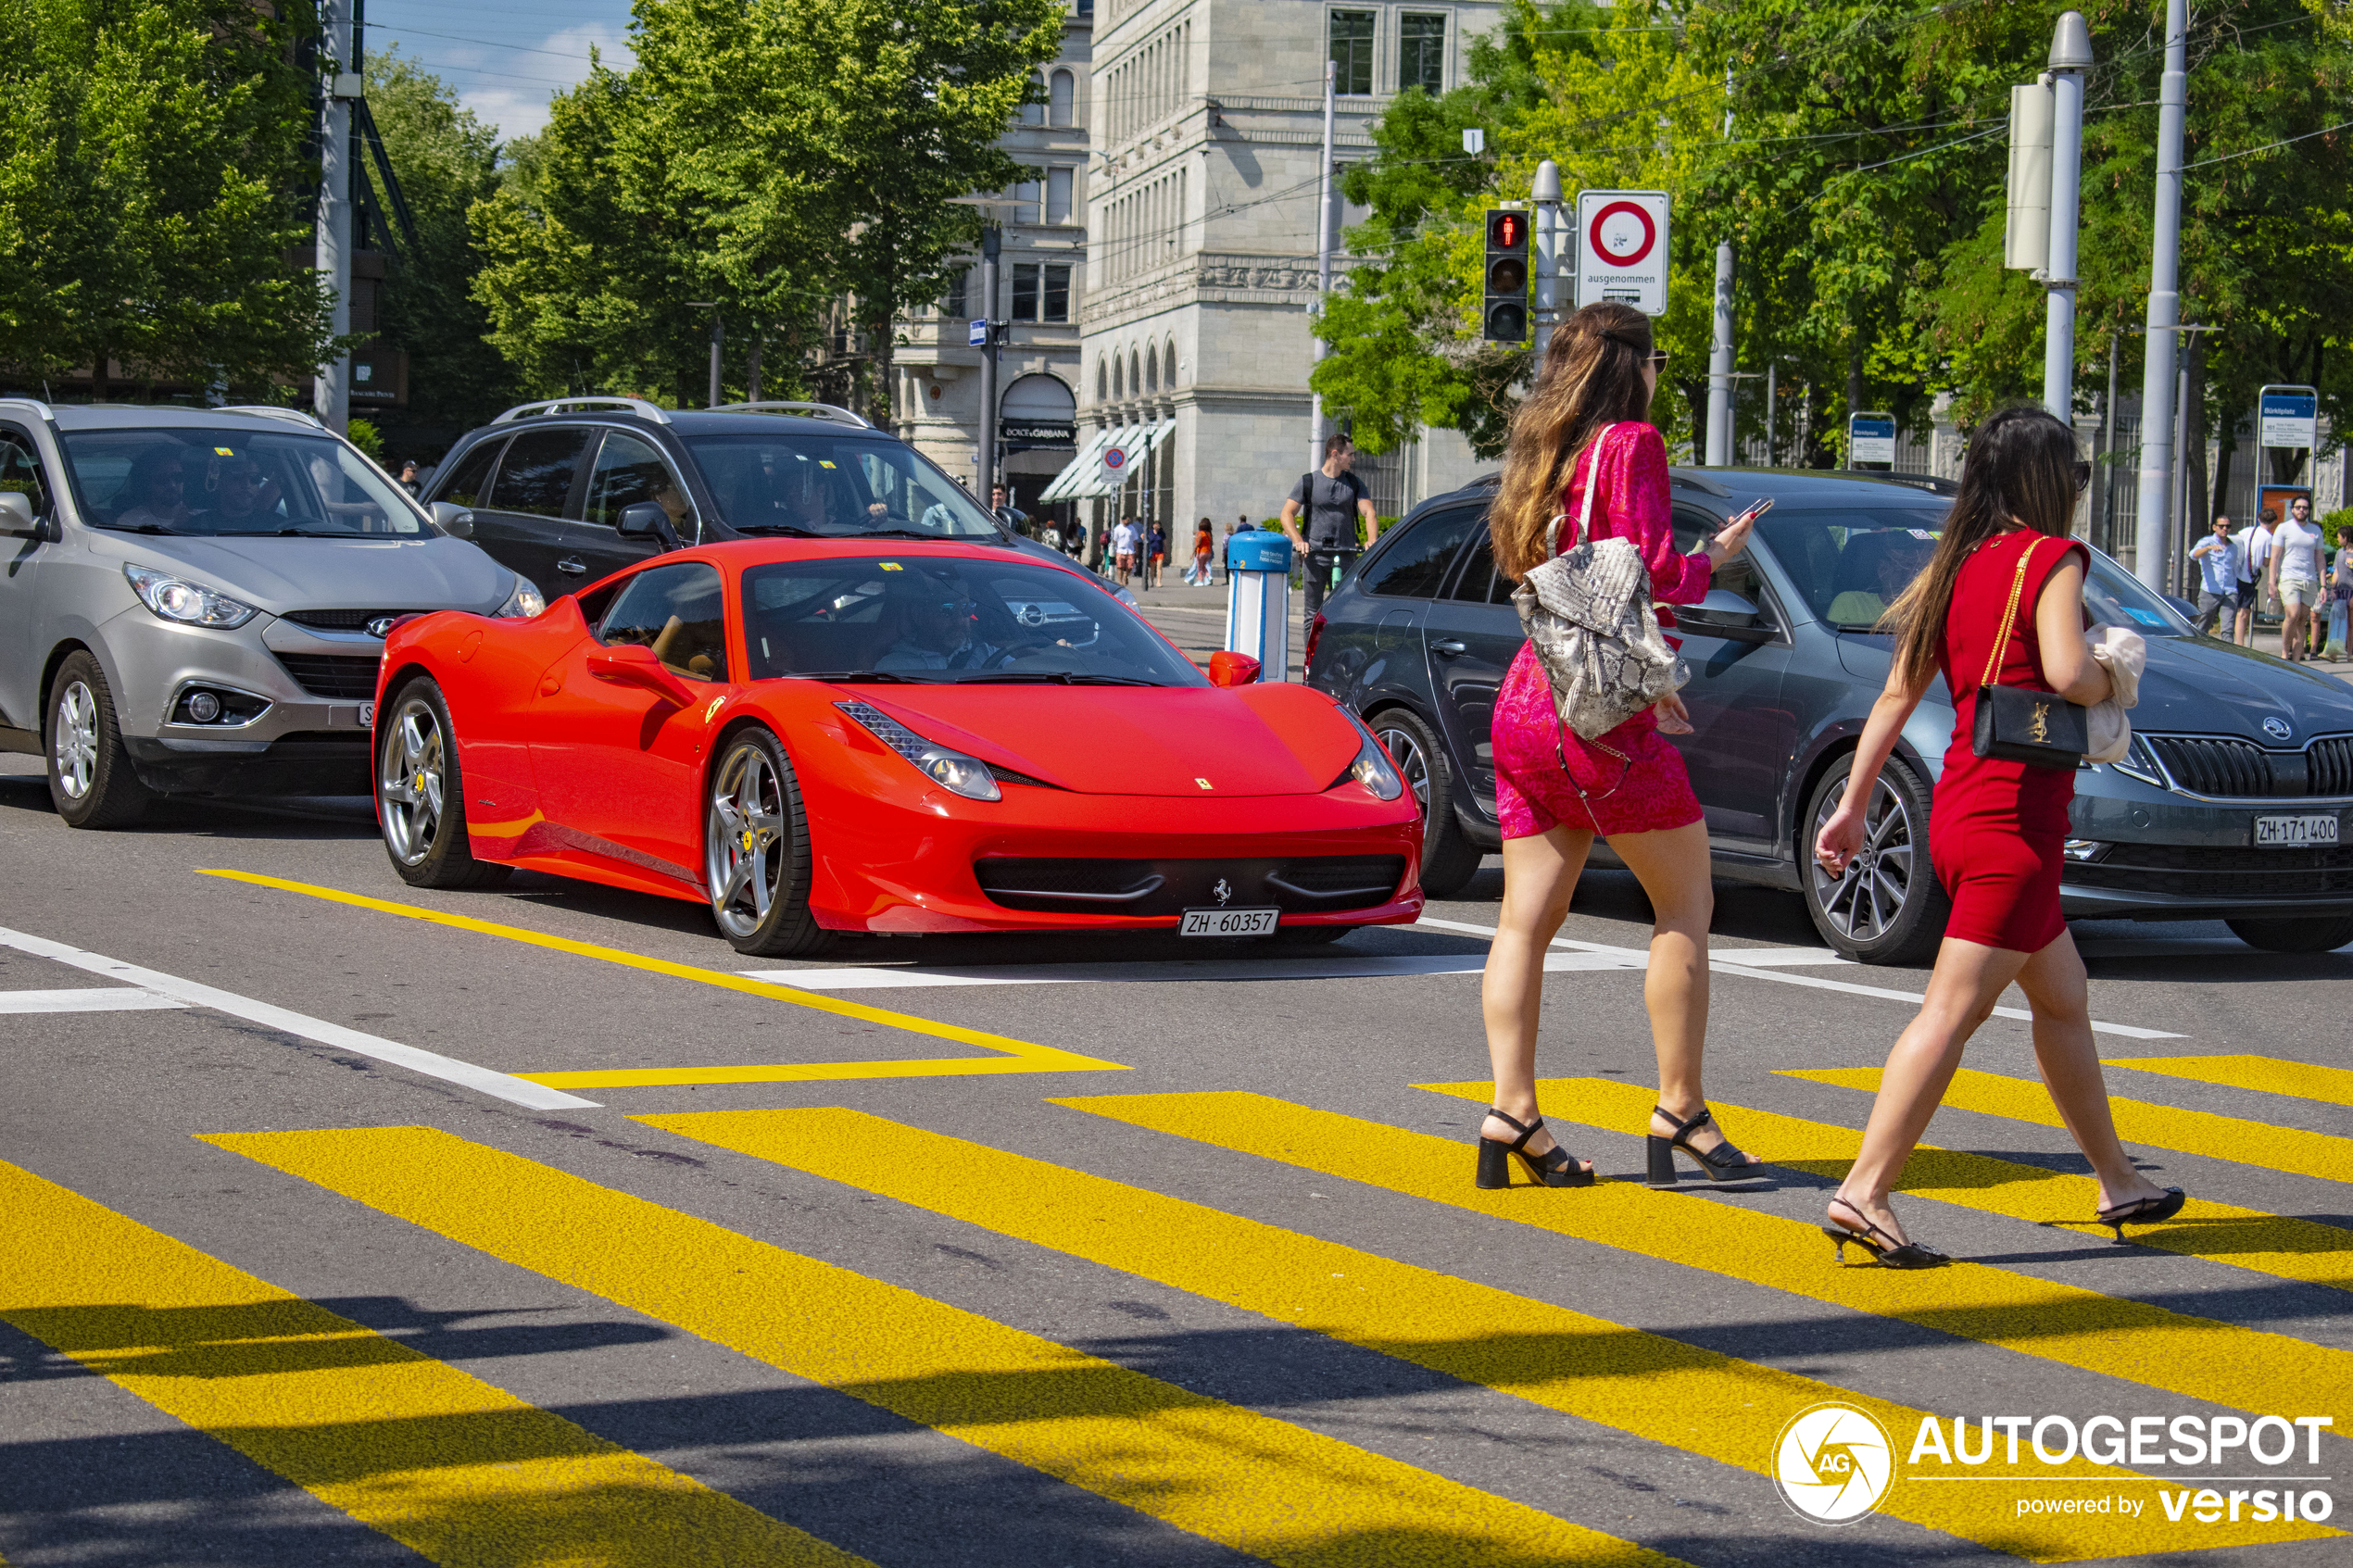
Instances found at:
x=467 y=485
x=536 y=477
x=1416 y=566
x=677 y=611
x=627 y=471
x=21 y=471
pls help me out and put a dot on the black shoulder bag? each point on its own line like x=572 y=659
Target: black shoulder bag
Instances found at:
x=2038 y=728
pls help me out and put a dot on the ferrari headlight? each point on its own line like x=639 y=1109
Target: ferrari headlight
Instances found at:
x=2140 y=762
x=1371 y=769
x=525 y=602
x=968 y=776
x=189 y=604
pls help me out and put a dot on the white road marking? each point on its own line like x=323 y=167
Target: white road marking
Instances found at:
x=97 y=998
x=432 y=1065
x=1728 y=960
x=883 y=977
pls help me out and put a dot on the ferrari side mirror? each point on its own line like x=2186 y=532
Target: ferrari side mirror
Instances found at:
x=1229 y=669
x=628 y=664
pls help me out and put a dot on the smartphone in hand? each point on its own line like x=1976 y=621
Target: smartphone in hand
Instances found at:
x=1754 y=510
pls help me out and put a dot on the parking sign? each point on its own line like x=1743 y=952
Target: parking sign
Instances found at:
x=1621 y=249
x=978 y=337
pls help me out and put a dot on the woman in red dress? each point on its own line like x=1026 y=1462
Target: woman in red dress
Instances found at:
x=1581 y=427
x=1997 y=826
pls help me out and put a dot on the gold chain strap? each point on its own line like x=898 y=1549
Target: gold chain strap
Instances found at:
x=2002 y=641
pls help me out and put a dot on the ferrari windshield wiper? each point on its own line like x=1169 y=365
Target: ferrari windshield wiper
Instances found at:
x=1051 y=678
x=890 y=675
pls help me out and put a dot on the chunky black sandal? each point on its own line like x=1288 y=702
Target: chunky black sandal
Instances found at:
x=1908 y=1255
x=2142 y=1212
x=1722 y=1163
x=1554 y=1168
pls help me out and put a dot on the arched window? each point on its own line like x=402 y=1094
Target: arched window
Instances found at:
x=1060 y=95
x=1035 y=114
x=1169 y=359
x=1152 y=368
x=1118 y=388
x=1135 y=371
x=1102 y=381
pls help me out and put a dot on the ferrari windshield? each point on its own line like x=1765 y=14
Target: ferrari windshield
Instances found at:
x=1850 y=565
x=935 y=619
x=835 y=485
x=181 y=480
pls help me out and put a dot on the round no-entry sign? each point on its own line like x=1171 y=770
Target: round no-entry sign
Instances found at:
x=1623 y=234
x=1114 y=459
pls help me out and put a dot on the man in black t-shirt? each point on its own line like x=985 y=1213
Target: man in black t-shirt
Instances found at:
x=1333 y=499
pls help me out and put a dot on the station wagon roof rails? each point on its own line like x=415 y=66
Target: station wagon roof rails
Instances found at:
x=806 y=410
x=1681 y=480
x=1933 y=484
x=637 y=406
x=270 y=411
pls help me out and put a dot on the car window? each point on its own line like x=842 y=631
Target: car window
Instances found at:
x=1416 y=565
x=1739 y=575
x=677 y=611
x=21 y=471
x=536 y=477
x=1477 y=582
x=949 y=619
x=629 y=470
x=468 y=485
x=829 y=485
x=177 y=480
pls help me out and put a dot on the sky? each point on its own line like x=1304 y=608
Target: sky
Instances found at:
x=503 y=59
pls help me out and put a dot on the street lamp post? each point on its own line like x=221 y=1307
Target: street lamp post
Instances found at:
x=987 y=334
x=2070 y=57
x=2165 y=308
x=718 y=343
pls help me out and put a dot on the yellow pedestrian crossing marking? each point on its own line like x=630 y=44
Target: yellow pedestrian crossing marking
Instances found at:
x=2199 y=1358
x=443 y=1462
x=1018 y=1056
x=1698 y=1400
x=1246 y=1480
x=2331 y=1086
x=2248 y=1239
x=2268 y=1147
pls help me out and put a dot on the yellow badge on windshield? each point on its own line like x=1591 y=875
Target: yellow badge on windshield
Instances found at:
x=823 y=463
x=224 y=451
x=892 y=566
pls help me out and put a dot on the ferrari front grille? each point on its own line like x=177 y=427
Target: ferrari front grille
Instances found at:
x=1301 y=884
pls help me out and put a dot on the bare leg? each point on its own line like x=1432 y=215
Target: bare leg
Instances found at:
x=2053 y=981
x=1673 y=868
x=1970 y=978
x=1539 y=872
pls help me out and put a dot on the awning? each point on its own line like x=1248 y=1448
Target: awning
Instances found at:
x=1084 y=478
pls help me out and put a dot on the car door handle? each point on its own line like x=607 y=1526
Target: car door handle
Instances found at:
x=1449 y=648
x=574 y=566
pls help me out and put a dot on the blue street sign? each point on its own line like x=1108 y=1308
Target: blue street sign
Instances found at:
x=2290 y=418
x=979 y=338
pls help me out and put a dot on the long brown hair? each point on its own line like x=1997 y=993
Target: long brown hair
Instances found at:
x=2020 y=464
x=1591 y=376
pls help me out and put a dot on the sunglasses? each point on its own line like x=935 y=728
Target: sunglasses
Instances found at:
x=2082 y=475
x=1658 y=359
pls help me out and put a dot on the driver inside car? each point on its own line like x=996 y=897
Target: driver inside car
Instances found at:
x=938 y=627
x=243 y=501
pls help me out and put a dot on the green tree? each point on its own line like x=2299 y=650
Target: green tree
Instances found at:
x=445 y=161
x=152 y=180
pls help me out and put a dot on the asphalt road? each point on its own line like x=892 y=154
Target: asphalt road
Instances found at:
x=1045 y=1252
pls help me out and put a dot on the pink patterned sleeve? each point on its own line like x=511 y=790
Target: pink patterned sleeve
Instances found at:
x=1635 y=495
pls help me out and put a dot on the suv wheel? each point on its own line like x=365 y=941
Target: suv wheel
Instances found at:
x=2323 y=935
x=89 y=776
x=1449 y=859
x=1889 y=908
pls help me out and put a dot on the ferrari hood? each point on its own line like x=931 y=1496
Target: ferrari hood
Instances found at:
x=1188 y=741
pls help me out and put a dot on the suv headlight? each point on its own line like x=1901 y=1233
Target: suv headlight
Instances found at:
x=2140 y=762
x=524 y=603
x=1371 y=767
x=968 y=776
x=188 y=604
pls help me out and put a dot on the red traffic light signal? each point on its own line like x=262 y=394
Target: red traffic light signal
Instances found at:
x=1507 y=230
x=1504 y=313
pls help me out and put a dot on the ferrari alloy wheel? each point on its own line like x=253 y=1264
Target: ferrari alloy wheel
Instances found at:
x=756 y=850
x=1449 y=858
x=91 y=781
x=1888 y=907
x=420 y=798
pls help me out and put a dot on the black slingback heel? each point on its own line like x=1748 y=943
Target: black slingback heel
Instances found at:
x=2142 y=1212
x=1895 y=1254
x=1554 y=1168
x=1722 y=1163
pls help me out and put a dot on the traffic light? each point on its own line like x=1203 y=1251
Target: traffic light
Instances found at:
x=1503 y=318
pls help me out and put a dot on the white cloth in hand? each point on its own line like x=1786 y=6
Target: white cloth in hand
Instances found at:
x=2123 y=653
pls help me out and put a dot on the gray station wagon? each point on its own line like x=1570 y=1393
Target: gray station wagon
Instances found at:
x=196 y=599
x=2230 y=804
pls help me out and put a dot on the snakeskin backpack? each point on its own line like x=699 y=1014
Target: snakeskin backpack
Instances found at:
x=1588 y=610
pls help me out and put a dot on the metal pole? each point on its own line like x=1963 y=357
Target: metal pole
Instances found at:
x=1323 y=266
x=991 y=240
x=718 y=347
x=1772 y=457
x=1546 y=192
x=1719 y=365
x=331 y=401
x=2181 y=485
x=2104 y=524
x=2165 y=307
x=2070 y=53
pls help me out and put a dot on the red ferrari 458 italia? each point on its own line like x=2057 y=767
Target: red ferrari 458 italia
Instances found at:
x=827 y=735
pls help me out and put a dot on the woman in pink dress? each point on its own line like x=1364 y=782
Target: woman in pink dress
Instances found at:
x=1582 y=426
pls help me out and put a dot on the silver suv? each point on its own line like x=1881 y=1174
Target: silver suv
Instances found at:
x=193 y=601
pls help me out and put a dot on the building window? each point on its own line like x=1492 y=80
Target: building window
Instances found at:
x=1352 y=51
x=1027 y=194
x=1057 y=291
x=1422 y=54
x=1058 y=195
x=1024 y=291
x=958 y=302
x=1041 y=292
x=1062 y=91
x=1034 y=113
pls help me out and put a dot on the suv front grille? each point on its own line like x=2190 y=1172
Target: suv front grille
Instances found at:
x=347 y=677
x=341 y=620
x=1305 y=884
x=2230 y=768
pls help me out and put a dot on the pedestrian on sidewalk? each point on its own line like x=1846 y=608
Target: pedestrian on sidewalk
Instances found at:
x=1333 y=498
x=1581 y=429
x=2340 y=595
x=2294 y=578
x=1998 y=825
x=2255 y=558
x=1123 y=549
x=2217 y=564
x=1158 y=551
x=1204 y=551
